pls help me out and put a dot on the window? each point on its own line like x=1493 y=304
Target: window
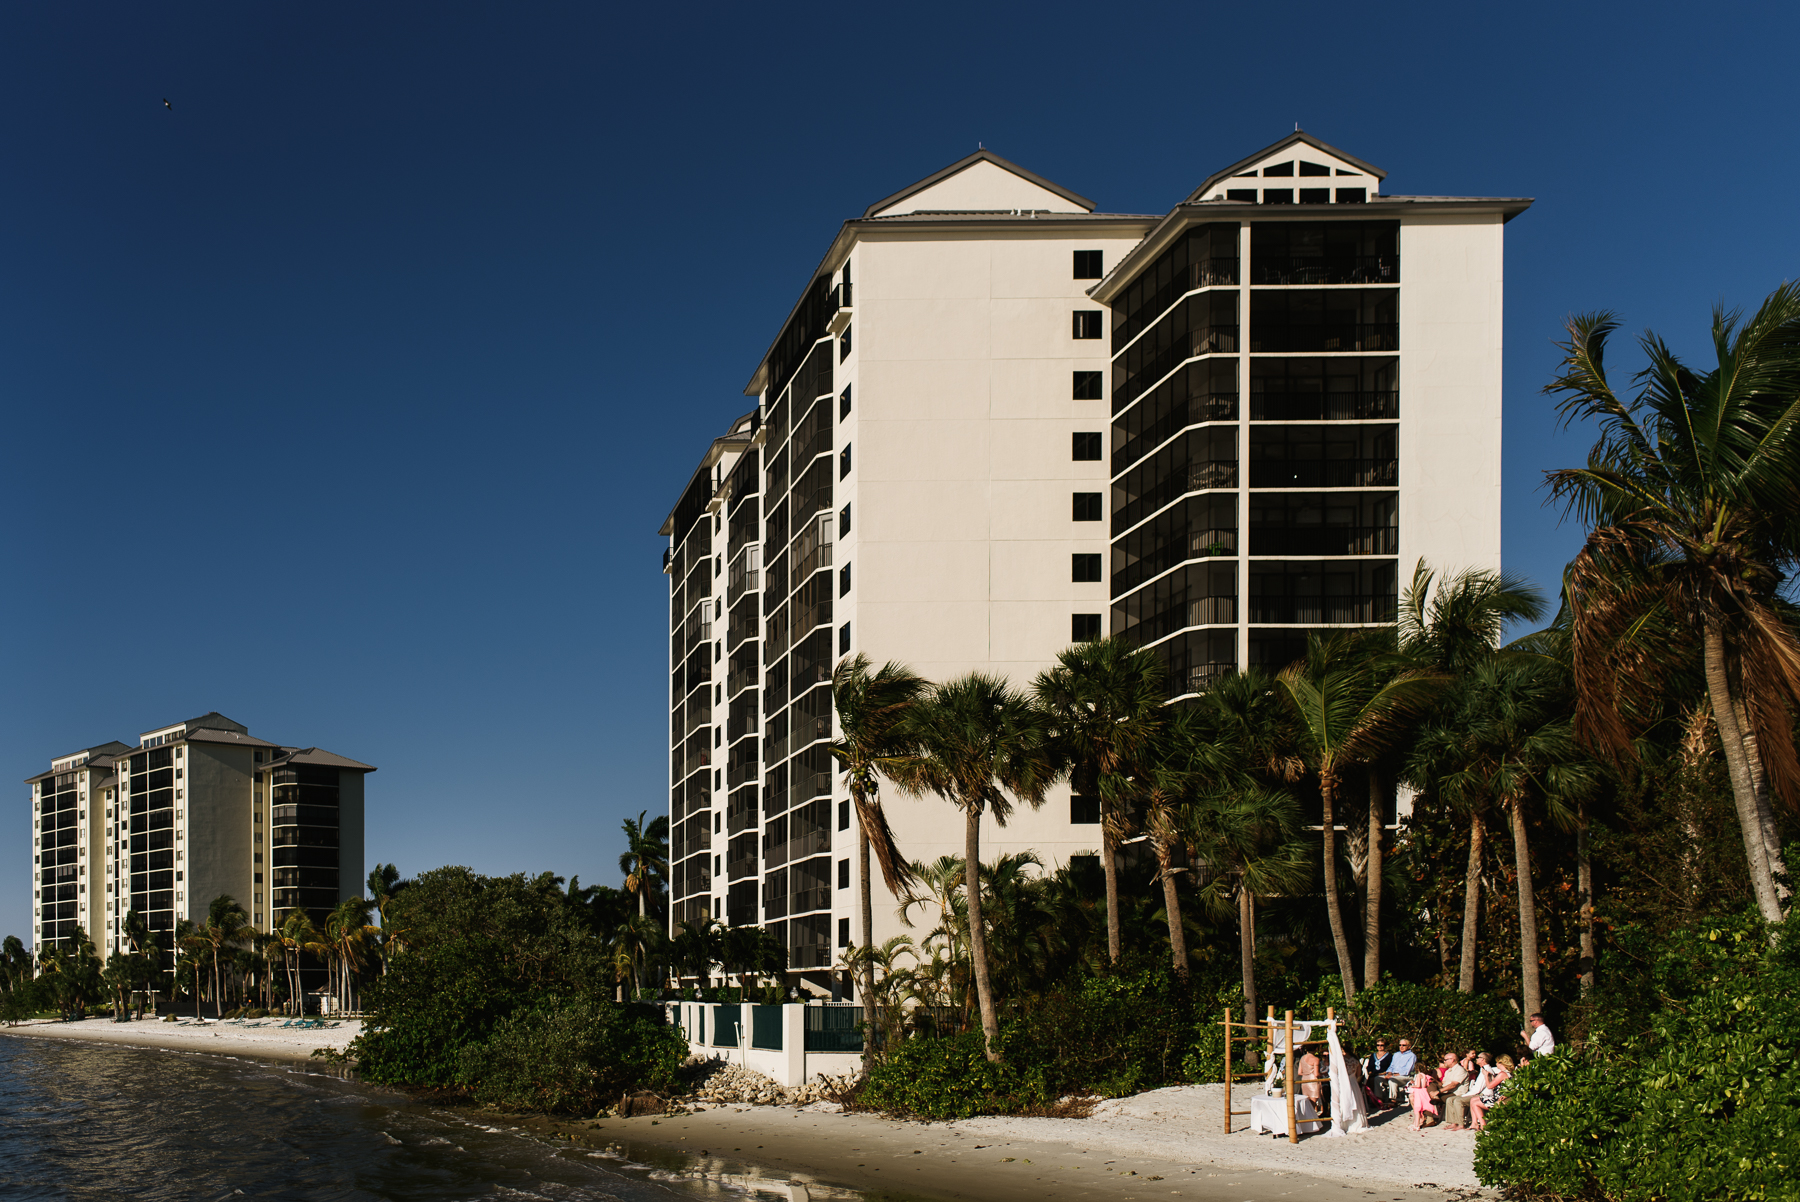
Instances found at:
x=1087 y=323
x=843 y=874
x=844 y=403
x=1248 y=194
x=844 y=520
x=1307 y=168
x=1087 y=385
x=1084 y=568
x=1279 y=169
x=1315 y=196
x=844 y=580
x=1087 y=507
x=1084 y=627
x=844 y=639
x=844 y=462
x=843 y=815
x=1278 y=196
x=844 y=345
x=718 y=865
x=843 y=932
x=1087 y=265
x=1086 y=446
x=1352 y=196
x=717 y=819
x=718 y=735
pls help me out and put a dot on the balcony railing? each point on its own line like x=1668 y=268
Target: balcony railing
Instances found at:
x=1327 y=611
x=1347 y=269
x=805 y=900
x=745 y=574
x=1195 y=678
x=1324 y=473
x=1323 y=406
x=1324 y=540
x=1272 y=338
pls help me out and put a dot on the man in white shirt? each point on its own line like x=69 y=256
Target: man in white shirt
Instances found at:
x=1539 y=1038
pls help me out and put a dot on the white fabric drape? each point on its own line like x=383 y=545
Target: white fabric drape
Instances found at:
x=1349 y=1115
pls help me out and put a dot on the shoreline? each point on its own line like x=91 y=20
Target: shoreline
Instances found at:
x=1163 y=1144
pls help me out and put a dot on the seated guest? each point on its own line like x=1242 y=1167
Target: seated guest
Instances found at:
x=1499 y=1074
x=1420 y=1092
x=1475 y=1069
x=1394 y=1082
x=1451 y=1078
x=1373 y=1070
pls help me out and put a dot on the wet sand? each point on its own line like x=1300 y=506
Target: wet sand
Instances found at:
x=269 y=1040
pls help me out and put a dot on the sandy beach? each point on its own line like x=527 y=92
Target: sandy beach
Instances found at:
x=265 y=1038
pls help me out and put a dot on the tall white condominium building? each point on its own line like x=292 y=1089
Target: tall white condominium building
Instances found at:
x=928 y=476
x=195 y=810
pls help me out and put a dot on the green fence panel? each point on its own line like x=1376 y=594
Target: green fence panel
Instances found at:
x=726 y=1020
x=765 y=1028
x=834 y=1028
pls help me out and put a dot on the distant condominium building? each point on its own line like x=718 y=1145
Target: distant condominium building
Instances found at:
x=194 y=810
x=998 y=421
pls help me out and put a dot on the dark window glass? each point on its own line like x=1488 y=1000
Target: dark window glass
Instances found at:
x=843 y=932
x=1205 y=257
x=1197 y=528
x=1087 y=507
x=1084 y=627
x=844 y=403
x=1197 y=595
x=1307 y=168
x=1088 y=385
x=1347 y=591
x=1350 y=319
x=1087 y=265
x=1323 y=389
x=843 y=815
x=1084 y=569
x=1325 y=252
x=1341 y=171
x=1202 y=324
x=1352 y=196
x=844 y=345
x=844 y=520
x=1279 y=169
x=1086 y=446
x=1315 y=196
x=1084 y=811
x=844 y=580
x=1200 y=459
x=1278 y=196
x=1200 y=392
x=1248 y=194
x=843 y=874
x=844 y=462
x=844 y=639
x=1087 y=323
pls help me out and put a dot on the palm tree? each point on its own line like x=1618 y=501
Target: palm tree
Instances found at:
x=978 y=741
x=1104 y=701
x=634 y=942
x=226 y=924
x=137 y=934
x=297 y=934
x=1512 y=741
x=1453 y=628
x=1691 y=493
x=347 y=933
x=872 y=708
x=645 y=860
x=1347 y=717
x=385 y=884
x=191 y=941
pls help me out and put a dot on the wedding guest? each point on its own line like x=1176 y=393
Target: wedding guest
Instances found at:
x=1393 y=1082
x=1537 y=1036
x=1499 y=1074
x=1451 y=1078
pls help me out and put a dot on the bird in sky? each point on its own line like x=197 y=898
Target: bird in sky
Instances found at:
x=167 y=105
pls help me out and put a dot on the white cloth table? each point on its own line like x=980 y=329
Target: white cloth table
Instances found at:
x=1269 y=1113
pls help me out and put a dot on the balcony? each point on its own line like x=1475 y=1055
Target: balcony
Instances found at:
x=1346 y=610
x=1324 y=540
x=1313 y=269
x=840 y=308
x=745 y=574
x=1324 y=473
x=1323 y=406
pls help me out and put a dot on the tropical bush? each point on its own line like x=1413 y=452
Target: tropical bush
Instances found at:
x=1436 y=1020
x=1686 y=1091
x=945 y=1077
x=575 y=1057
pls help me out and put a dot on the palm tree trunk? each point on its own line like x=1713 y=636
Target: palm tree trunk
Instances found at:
x=1531 y=998
x=1737 y=764
x=1172 y=908
x=1372 y=904
x=218 y=993
x=1765 y=815
x=984 y=985
x=866 y=891
x=1247 y=950
x=1471 y=905
x=1109 y=861
x=1584 y=897
x=1333 y=911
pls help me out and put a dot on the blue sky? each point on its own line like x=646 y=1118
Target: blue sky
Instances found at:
x=346 y=396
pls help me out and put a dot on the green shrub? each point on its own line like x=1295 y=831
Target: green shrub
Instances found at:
x=944 y=1077
x=1698 y=1104
x=575 y=1057
x=1436 y=1020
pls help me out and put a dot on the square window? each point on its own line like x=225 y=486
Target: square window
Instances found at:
x=1084 y=568
x=1087 y=385
x=1278 y=196
x=1084 y=628
x=843 y=815
x=1086 y=446
x=844 y=462
x=1087 y=264
x=1248 y=194
x=843 y=874
x=1087 y=323
x=844 y=403
x=1315 y=196
x=844 y=520
x=844 y=345
x=844 y=580
x=1352 y=196
x=843 y=932
x=1087 y=507
x=844 y=639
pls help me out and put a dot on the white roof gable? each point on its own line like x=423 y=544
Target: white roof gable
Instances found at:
x=983 y=182
x=1297 y=161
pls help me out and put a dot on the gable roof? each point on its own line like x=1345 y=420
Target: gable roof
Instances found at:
x=980 y=156
x=1298 y=137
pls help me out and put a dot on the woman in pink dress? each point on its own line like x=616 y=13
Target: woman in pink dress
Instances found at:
x=1420 y=1091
